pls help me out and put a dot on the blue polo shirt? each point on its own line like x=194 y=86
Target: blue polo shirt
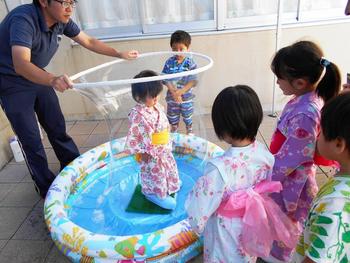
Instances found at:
x=25 y=26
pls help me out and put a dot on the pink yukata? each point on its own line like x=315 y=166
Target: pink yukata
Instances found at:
x=294 y=161
x=239 y=168
x=159 y=175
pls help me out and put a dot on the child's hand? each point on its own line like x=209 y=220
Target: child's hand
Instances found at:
x=178 y=99
x=179 y=92
x=178 y=95
x=142 y=157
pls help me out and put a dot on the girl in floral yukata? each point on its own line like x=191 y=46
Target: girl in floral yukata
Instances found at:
x=149 y=139
x=326 y=237
x=229 y=204
x=312 y=80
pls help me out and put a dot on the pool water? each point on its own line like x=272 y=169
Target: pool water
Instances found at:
x=98 y=203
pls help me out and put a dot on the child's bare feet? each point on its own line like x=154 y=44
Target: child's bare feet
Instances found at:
x=189 y=130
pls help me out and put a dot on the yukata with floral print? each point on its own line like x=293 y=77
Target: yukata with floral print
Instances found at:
x=148 y=138
x=294 y=161
x=326 y=236
x=159 y=174
x=239 y=168
x=303 y=72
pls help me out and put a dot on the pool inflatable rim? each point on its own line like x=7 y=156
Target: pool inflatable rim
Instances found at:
x=73 y=239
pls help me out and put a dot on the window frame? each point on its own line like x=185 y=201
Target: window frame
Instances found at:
x=296 y=18
x=219 y=23
x=144 y=30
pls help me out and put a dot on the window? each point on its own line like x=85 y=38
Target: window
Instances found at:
x=11 y=4
x=254 y=13
x=169 y=15
x=108 y=18
x=120 y=18
x=321 y=10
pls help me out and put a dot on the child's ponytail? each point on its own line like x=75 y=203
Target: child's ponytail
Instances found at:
x=304 y=59
x=329 y=86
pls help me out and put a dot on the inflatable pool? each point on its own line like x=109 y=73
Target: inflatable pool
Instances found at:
x=85 y=208
x=82 y=234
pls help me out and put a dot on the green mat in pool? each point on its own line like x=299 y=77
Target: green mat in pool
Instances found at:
x=139 y=204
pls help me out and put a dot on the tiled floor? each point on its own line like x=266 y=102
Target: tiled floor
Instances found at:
x=23 y=233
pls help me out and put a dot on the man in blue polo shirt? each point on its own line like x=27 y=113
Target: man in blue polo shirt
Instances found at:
x=29 y=37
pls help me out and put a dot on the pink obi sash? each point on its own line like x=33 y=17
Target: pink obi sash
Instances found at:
x=262 y=219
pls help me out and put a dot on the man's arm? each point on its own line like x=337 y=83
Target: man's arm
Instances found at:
x=24 y=67
x=99 y=47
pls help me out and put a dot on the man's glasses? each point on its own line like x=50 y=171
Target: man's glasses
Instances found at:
x=66 y=4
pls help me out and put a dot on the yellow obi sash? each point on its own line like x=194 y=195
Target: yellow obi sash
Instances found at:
x=160 y=138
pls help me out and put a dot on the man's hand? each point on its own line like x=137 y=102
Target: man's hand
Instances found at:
x=132 y=54
x=61 y=83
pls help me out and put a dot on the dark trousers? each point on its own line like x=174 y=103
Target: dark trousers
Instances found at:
x=20 y=109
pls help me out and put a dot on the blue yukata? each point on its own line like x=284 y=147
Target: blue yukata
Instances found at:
x=184 y=108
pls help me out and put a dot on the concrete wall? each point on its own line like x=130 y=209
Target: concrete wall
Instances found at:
x=5 y=133
x=3 y=10
x=5 y=129
x=239 y=58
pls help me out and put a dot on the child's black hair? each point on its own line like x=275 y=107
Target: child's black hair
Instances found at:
x=140 y=91
x=335 y=119
x=304 y=59
x=237 y=113
x=180 y=36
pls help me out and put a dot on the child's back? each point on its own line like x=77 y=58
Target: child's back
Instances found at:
x=219 y=201
x=239 y=168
